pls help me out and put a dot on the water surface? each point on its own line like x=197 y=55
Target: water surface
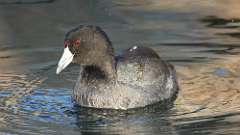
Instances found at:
x=200 y=38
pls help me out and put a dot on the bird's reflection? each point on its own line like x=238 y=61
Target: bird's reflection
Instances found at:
x=152 y=119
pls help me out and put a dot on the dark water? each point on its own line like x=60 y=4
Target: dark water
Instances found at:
x=201 y=38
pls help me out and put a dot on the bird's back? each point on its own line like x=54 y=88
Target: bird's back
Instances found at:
x=142 y=68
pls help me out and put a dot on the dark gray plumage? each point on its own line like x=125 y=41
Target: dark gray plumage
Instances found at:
x=136 y=78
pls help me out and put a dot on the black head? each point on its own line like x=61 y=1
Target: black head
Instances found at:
x=86 y=45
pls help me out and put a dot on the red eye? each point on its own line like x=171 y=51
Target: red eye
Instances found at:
x=77 y=42
x=66 y=43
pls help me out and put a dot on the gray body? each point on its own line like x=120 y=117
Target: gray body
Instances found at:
x=141 y=79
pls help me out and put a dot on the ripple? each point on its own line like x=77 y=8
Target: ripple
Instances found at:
x=15 y=86
x=213 y=86
x=25 y=105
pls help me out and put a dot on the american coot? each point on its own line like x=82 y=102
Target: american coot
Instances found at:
x=136 y=78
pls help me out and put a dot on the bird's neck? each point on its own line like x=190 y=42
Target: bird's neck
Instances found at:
x=103 y=69
x=108 y=67
x=102 y=57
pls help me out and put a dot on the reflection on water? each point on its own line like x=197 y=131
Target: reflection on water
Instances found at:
x=201 y=38
x=213 y=86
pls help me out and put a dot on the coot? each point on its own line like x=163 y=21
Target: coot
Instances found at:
x=136 y=78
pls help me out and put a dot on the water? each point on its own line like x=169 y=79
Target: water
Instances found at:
x=201 y=39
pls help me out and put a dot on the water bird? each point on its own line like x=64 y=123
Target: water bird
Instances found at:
x=137 y=77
